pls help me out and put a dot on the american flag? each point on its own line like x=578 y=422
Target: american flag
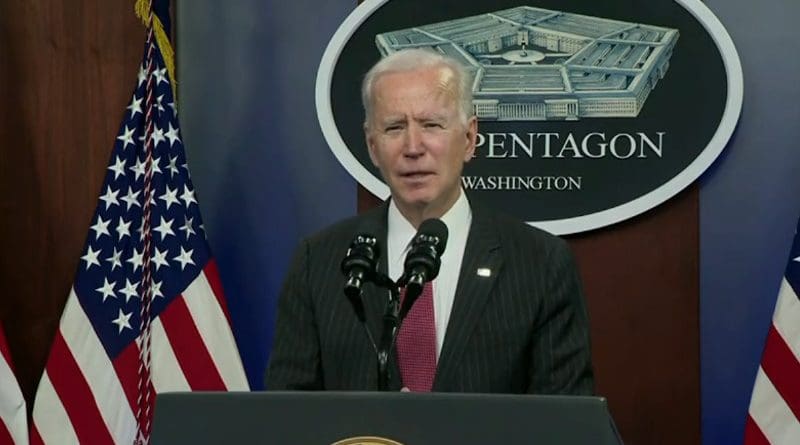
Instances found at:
x=13 y=417
x=775 y=403
x=112 y=350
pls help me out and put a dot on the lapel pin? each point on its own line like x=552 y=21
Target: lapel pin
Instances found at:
x=484 y=272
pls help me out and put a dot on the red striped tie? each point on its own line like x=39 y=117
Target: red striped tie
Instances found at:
x=416 y=343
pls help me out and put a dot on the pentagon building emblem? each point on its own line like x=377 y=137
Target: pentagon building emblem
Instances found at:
x=590 y=112
x=531 y=64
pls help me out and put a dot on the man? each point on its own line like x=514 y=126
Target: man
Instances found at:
x=506 y=313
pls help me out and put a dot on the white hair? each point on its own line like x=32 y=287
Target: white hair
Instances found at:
x=417 y=59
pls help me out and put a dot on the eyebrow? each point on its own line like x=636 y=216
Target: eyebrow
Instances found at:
x=399 y=119
x=391 y=120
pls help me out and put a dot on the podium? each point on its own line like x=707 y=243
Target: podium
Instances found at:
x=327 y=418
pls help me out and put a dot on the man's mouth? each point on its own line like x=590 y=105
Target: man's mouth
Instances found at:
x=417 y=174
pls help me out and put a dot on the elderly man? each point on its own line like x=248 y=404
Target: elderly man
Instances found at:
x=506 y=313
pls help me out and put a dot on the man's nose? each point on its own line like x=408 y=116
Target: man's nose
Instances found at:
x=414 y=146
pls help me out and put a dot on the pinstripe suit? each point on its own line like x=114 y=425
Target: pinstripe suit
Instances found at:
x=522 y=329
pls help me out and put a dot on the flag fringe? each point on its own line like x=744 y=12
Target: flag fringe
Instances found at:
x=142 y=8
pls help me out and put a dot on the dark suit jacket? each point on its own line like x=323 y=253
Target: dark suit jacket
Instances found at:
x=522 y=329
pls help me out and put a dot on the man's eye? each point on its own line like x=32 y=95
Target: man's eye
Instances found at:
x=433 y=125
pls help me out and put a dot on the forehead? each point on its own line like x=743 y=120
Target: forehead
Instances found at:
x=426 y=85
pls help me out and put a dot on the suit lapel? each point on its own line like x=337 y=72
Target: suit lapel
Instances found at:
x=481 y=257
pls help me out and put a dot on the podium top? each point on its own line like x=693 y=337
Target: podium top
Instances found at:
x=326 y=418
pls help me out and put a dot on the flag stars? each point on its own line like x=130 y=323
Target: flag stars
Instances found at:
x=135 y=106
x=156 y=168
x=796 y=260
x=123 y=227
x=107 y=289
x=158 y=103
x=170 y=197
x=118 y=168
x=131 y=199
x=155 y=289
x=185 y=258
x=142 y=76
x=129 y=290
x=160 y=258
x=123 y=321
x=127 y=137
x=114 y=259
x=91 y=257
x=152 y=203
x=157 y=136
x=172 y=135
x=188 y=196
x=110 y=197
x=160 y=76
x=100 y=227
x=187 y=226
x=164 y=228
x=173 y=166
x=135 y=260
x=137 y=169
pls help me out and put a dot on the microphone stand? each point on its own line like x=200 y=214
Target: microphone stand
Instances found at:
x=392 y=319
x=391 y=325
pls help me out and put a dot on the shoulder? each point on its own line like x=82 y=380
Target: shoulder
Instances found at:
x=516 y=234
x=342 y=232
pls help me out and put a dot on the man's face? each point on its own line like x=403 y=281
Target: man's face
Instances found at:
x=416 y=138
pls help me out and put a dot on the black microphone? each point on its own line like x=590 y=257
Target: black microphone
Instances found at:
x=359 y=266
x=423 y=260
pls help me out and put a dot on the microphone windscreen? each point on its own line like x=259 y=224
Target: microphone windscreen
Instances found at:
x=435 y=227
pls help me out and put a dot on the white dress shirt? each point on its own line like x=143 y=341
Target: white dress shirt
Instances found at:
x=400 y=233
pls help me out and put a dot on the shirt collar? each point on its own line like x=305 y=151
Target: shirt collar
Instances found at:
x=400 y=232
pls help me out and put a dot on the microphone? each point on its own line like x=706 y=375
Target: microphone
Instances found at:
x=423 y=260
x=359 y=266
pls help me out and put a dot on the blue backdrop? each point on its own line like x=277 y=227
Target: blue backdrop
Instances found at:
x=749 y=205
x=265 y=177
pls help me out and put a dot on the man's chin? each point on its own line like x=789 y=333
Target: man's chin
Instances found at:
x=412 y=200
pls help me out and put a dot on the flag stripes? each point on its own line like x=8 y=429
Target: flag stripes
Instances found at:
x=58 y=425
x=775 y=403
x=783 y=370
x=753 y=434
x=13 y=416
x=188 y=347
x=168 y=373
x=72 y=388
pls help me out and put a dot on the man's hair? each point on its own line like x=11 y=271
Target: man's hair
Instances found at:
x=417 y=59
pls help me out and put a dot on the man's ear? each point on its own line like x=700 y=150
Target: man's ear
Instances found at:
x=369 y=138
x=471 y=135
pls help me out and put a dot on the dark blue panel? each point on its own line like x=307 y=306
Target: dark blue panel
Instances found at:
x=748 y=210
x=263 y=173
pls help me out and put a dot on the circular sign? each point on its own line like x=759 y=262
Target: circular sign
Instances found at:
x=367 y=440
x=589 y=112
